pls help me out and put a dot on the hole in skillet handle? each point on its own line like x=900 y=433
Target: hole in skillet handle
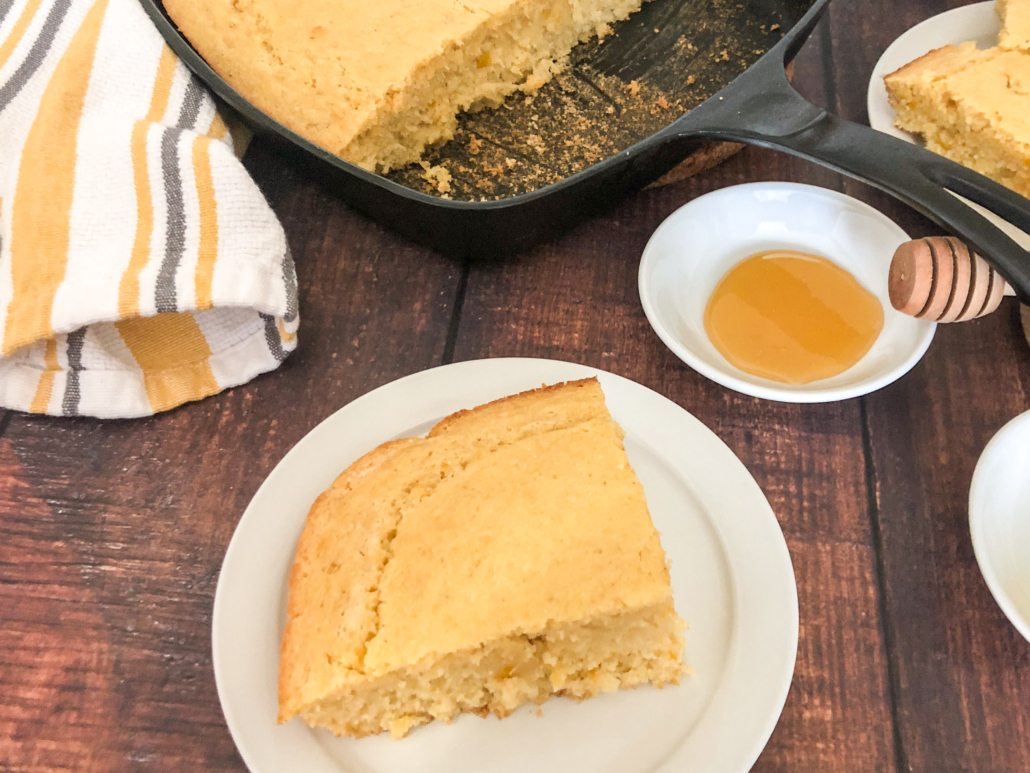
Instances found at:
x=1008 y=257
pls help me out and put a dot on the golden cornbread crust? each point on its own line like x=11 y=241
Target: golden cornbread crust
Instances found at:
x=378 y=82
x=506 y=557
x=973 y=106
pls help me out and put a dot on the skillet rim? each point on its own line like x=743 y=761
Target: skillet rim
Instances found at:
x=271 y=128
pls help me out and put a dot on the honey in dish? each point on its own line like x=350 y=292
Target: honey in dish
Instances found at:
x=792 y=317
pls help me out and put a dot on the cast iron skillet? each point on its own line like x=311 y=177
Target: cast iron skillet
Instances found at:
x=758 y=107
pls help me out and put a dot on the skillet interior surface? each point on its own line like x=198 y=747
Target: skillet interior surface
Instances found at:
x=657 y=65
x=663 y=61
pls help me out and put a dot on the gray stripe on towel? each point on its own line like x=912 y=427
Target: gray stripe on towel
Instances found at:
x=165 y=294
x=275 y=343
x=190 y=104
x=290 y=280
x=37 y=54
x=70 y=403
x=175 y=232
x=5 y=8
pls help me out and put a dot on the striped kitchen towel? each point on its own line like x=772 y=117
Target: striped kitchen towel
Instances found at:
x=140 y=266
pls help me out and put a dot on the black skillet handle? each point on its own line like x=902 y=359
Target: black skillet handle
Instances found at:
x=762 y=108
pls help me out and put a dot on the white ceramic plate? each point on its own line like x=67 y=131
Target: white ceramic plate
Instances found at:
x=978 y=22
x=731 y=574
x=702 y=240
x=999 y=519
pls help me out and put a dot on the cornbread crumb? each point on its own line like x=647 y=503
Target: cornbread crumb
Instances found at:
x=438 y=176
x=505 y=558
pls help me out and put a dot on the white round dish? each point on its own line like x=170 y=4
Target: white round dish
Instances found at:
x=978 y=22
x=694 y=248
x=731 y=573
x=999 y=519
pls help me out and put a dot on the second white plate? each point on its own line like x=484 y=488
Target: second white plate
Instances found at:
x=999 y=519
x=978 y=22
x=731 y=574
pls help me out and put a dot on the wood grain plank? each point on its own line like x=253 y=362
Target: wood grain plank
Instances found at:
x=962 y=672
x=112 y=533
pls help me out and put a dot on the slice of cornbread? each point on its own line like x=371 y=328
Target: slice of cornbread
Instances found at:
x=970 y=106
x=506 y=557
x=378 y=82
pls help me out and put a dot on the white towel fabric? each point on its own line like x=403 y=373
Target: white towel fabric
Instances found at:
x=140 y=266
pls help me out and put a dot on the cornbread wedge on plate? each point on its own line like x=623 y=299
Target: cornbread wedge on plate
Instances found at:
x=506 y=557
x=378 y=82
x=973 y=106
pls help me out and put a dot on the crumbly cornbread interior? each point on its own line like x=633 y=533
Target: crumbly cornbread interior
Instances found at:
x=973 y=106
x=378 y=82
x=507 y=557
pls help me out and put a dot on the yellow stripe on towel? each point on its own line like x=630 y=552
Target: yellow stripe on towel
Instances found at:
x=218 y=128
x=45 y=387
x=128 y=288
x=173 y=354
x=41 y=210
x=207 y=250
x=18 y=30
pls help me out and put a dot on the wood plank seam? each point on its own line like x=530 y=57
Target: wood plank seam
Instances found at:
x=886 y=621
x=451 y=341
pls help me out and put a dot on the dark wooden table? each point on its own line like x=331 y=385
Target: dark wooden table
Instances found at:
x=112 y=533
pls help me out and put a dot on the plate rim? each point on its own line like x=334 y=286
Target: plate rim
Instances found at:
x=726 y=378
x=764 y=518
x=983 y=480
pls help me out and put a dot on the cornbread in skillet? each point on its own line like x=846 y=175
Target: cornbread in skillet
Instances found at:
x=506 y=557
x=378 y=82
x=973 y=106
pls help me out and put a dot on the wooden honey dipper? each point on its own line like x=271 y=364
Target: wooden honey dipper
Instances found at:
x=940 y=279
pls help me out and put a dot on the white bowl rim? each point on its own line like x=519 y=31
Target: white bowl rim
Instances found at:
x=776 y=393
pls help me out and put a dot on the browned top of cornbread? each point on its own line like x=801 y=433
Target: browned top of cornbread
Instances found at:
x=997 y=88
x=321 y=66
x=939 y=63
x=507 y=517
x=991 y=86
